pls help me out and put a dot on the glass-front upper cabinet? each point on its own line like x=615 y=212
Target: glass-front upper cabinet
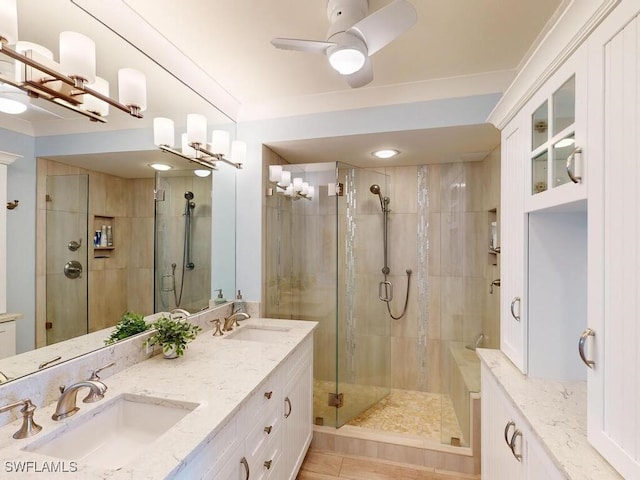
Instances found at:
x=557 y=122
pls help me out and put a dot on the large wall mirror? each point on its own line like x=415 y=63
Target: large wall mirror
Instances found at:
x=172 y=233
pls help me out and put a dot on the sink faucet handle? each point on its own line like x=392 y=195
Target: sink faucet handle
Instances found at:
x=29 y=426
x=94 y=374
x=217 y=332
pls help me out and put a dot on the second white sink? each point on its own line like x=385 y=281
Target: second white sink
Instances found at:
x=258 y=334
x=115 y=433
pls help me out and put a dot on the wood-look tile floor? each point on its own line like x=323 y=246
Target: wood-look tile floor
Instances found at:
x=330 y=466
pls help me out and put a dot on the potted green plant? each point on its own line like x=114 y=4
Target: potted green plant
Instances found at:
x=172 y=336
x=130 y=323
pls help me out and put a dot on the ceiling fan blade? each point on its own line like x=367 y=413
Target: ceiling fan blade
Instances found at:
x=385 y=25
x=362 y=77
x=312 y=46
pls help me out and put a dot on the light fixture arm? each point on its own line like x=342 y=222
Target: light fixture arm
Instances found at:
x=40 y=89
x=217 y=156
x=200 y=161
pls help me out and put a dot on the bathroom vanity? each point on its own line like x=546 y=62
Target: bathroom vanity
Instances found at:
x=234 y=406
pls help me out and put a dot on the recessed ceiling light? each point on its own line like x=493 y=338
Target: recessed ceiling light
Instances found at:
x=12 y=107
x=160 y=167
x=202 y=173
x=385 y=153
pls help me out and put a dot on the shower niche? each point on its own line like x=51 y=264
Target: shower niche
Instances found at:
x=103 y=251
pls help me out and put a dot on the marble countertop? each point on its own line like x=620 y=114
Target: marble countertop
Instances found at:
x=10 y=317
x=217 y=373
x=557 y=414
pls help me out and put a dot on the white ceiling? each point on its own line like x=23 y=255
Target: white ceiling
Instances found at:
x=458 y=48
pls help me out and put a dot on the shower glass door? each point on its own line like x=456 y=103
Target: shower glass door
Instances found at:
x=363 y=371
x=66 y=245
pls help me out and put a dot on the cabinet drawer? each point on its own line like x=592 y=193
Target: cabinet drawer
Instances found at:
x=298 y=357
x=269 y=393
x=265 y=464
x=7 y=339
x=266 y=428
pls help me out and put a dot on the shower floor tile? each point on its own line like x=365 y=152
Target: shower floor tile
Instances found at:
x=422 y=414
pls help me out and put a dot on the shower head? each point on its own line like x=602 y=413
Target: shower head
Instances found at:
x=188 y=195
x=375 y=189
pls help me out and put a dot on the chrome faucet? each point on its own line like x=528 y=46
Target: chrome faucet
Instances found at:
x=481 y=338
x=67 y=402
x=232 y=320
x=3 y=377
x=179 y=312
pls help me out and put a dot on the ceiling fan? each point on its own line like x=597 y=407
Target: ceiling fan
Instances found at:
x=354 y=36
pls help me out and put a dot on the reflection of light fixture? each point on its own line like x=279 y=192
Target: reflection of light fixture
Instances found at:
x=349 y=55
x=202 y=173
x=69 y=83
x=161 y=167
x=297 y=188
x=565 y=142
x=385 y=153
x=12 y=107
x=194 y=142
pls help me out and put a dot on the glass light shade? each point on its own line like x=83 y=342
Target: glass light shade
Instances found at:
x=297 y=184
x=331 y=190
x=161 y=167
x=186 y=149
x=202 y=173
x=289 y=191
x=220 y=142
x=305 y=188
x=95 y=105
x=78 y=56
x=23 y=47
x=275 y=173
x=9 y=21
x=311 y=192
x=285 y=179
x=347 y=60
x=197 y=129
x=132 y=88
x=163 y=131
x=238 y=151
x=12 y=107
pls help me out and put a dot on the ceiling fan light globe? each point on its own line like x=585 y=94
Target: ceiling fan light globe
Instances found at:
x=347 y=60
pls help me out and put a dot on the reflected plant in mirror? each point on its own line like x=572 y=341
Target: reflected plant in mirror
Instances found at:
x=130 y=324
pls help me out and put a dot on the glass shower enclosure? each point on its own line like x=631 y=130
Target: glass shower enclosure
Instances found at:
x=317 y=269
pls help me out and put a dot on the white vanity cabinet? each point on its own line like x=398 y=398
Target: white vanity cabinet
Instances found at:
x=268 y=437
x=510 y=450
x=7 y=338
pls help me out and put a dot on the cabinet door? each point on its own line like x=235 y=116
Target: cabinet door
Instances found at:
x=498 y=422
x=298 y=418
x=512 y=244
x=614 y=223
x=7 y=339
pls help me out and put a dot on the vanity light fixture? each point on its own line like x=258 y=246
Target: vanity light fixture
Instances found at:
x=71 y=83
x=202 y=173
x=385 y=153
x=296 y=189
x=194 y=145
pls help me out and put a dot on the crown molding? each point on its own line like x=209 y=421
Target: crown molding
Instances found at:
x=573 y=27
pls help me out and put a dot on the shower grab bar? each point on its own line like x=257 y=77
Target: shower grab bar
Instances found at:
x=385 y=291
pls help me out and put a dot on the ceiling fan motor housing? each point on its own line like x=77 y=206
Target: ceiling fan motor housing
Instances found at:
x=343 y=14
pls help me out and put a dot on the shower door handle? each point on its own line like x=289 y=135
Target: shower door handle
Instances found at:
x=385 y=291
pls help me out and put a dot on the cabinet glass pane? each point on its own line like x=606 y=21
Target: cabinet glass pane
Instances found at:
x=561 y=151
x=539 y=125
x=564 y=106
x=539 y=172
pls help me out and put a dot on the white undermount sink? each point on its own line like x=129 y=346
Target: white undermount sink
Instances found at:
x=254 y=333
x=115 y=433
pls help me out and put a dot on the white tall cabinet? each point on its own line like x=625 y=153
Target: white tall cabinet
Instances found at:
x=590 y=283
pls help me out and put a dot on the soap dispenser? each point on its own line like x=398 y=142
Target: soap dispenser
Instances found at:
x=239 y=305
x=220 y=299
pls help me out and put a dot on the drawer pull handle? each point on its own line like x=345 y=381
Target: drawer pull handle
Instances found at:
x=576 y=154
x=288 y=402
x=513 y=306
x=245 y=464
x=507 y=427
x=267 y=464
x=512 y=444
x=268 y=429
x=583 y=338
x=268 y=395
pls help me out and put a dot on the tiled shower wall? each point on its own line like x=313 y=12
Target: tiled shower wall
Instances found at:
x=122 y=282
